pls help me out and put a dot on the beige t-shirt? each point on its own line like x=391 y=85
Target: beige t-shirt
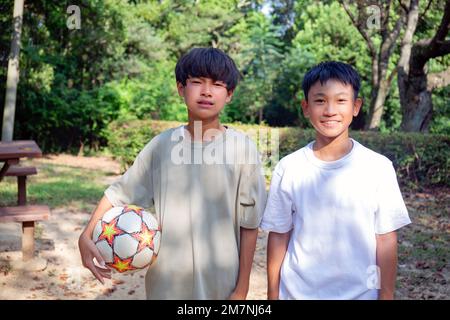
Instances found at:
x=202 y=194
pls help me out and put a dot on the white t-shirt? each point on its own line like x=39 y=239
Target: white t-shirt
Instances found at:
x=334 y=209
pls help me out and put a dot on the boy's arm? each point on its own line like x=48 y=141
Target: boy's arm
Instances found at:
x=247 y=251
x=88 y=250
x=387 y=262
x=276 y=250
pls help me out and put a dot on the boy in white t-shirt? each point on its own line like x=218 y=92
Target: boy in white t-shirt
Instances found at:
x=334 y=205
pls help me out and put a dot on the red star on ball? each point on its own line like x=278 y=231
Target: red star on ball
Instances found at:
x=134 y=208
x=145 y=238
x=122 y=265
x=109 y=231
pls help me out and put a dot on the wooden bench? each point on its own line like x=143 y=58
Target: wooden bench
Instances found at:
x=28 y=215
x=21 y=173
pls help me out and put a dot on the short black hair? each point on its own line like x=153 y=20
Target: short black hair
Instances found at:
x=331 y=70
x=209 y=63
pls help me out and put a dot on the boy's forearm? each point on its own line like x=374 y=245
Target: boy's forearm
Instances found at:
x=276 y=250
x=387 y=262
x=103 y=206
x=247 y=252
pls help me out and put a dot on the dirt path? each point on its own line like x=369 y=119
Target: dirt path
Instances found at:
x=423 y=271
x=64 y=277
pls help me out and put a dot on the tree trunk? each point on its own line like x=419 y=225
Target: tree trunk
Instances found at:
x=377 y=105
x=417 y=104
x=415 y=85
x=380 y=53
x=13 y=74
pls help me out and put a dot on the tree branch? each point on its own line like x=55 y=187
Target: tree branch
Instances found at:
x=406 y=46
x=391 y=76
x=434 y=47
x=405 y=9
x=438 y=79
x=361 y=30
x=437 y=46
x=385 y=20
x=425 y=11
x=389 y=44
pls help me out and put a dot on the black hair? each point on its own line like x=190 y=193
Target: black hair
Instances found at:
x=331 y=70
x=209 y=63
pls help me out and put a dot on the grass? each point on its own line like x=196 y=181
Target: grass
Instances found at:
x=57 y=185
x=423 y=250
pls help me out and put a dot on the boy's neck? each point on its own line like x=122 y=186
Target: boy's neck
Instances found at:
x=209 y=129
x=332 y=149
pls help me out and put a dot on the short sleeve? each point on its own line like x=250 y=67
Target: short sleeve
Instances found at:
x=278 y=215
x=252 y=197
x=134 y=186
x=391 y=211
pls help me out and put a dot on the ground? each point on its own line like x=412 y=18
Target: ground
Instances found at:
x=423 y=247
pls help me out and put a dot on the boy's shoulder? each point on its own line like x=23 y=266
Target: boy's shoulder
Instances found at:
x=363 y=156
x=168 y=138
x=239 y=135
x=369 y=156
x=162 y=140
x=294 y=158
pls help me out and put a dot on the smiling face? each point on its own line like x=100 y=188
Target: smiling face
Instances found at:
x=204 y=97
x=330 y=108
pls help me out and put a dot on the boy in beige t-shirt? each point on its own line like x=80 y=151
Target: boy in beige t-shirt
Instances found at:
x=206 y=185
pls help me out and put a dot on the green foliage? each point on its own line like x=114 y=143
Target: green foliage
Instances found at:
x=261 y=52
x=120 y=64
x=339 y=41
x=441 y=104
x=127 y=137
x=57 y=186
x=419 y=159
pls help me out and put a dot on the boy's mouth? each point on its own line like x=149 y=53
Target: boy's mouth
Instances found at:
x=329 y=123
x=205 y=103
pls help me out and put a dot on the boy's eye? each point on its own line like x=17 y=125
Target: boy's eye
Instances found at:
x=219 y=84
x=342 y=100
x=195 y=81
x=319 y=101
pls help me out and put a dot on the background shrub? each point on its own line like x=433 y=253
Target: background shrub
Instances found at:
x=419 y=159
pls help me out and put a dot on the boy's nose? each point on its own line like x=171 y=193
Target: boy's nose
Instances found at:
x=206 y=90
x=329 y=109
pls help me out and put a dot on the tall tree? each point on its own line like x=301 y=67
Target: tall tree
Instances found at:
x=414 y=82
x=261 y=57
x=13 y=73
x=380 y=24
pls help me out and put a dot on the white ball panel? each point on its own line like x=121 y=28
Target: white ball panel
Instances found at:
x=112 y=213
x=105 y=250
x=130 y=222
x=150 y=221
x=125 y=246
x=143 y=258
x=156 y=241
x=97 y=231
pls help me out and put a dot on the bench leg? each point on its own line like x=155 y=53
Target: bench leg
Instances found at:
x=22 y=191
x=27 y=240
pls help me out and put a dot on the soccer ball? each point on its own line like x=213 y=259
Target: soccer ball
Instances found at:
x=128 y=238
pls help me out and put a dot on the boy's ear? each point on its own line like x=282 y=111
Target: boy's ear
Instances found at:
x=357 y=106
x=305 y=108
x=180 y=89
x=229 y=96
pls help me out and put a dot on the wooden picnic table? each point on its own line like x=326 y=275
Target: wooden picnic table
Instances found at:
x=12 y=152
